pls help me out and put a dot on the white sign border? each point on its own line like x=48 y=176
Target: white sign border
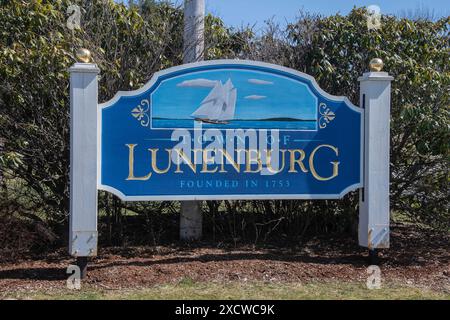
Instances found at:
x=154 y=79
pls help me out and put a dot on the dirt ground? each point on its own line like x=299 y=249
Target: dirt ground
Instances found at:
x=418 y=258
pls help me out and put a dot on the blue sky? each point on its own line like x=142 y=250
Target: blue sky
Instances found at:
x=243 y=12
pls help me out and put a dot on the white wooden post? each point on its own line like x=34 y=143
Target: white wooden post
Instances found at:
x=194 y=46
x=83 y=159
x=375 y=97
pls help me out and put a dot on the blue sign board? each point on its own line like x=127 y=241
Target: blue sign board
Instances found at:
x=230 y=129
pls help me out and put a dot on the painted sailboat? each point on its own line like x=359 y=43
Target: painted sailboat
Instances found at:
x=219 y=105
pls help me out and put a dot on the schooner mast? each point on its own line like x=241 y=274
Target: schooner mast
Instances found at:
x=219 y=105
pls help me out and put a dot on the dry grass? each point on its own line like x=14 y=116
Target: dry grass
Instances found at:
x=189 y=289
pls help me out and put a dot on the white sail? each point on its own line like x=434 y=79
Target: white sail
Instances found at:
x=210 y=108
x=219 y=104
x=228 y=112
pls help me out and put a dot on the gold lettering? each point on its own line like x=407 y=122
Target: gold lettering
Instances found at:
x=294 y=160
x=154 y=161
x=335 y=163
x=235 y=165
x=252 y=157
x=250 y=160
x=208 y=160
x=131 y=165
x=186 y=160
x=269 y=161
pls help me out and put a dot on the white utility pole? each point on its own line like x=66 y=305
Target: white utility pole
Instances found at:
x=194 y=46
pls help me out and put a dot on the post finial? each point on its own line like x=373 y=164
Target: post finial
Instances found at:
x=83 y=55
x=376 y=65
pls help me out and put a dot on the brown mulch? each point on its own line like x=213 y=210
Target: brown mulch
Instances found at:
x=416 y=257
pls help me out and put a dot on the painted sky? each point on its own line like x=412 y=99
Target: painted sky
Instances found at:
x=260 y=95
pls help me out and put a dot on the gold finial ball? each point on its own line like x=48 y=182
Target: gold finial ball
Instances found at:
x=376 y=65
x=83 y=55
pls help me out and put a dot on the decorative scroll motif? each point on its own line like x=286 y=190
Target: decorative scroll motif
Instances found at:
x=141 y=112
x=326 y=115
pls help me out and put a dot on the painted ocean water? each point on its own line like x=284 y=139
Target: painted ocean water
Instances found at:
x=285 y=124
